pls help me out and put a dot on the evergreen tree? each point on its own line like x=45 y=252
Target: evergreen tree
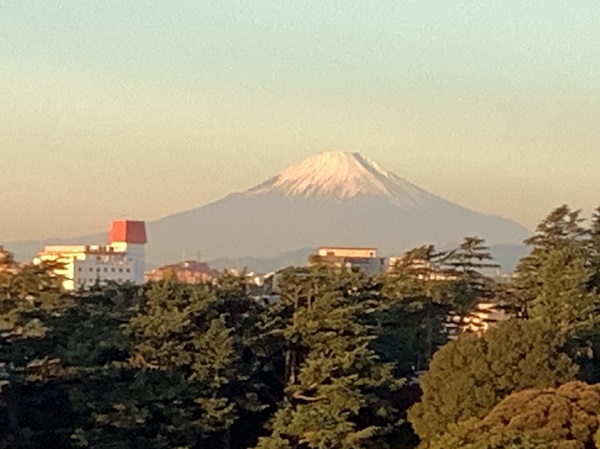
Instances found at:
x=471 y=286
x=411 y=321
x=561 y=418
x=555 y=284
x=182 y=334
x=470 y=375
x=594 y=232
x=560 y=233
x=563 y=300
x=337 y=390
x=28 y=293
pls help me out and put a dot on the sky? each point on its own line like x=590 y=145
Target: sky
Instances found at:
x=142 y=108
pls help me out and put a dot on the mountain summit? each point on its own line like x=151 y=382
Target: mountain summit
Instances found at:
x=332 y=198
x=342 y=175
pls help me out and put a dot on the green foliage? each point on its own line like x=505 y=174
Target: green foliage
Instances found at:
x=319 y=365
x=560 y=239
x=336 y=394
x=471 y=374
x=557 y=284
x=562 y=418
x=563 y=300
x=410 y=322
x=594 y=232
x=185 y=380
x=470 y=286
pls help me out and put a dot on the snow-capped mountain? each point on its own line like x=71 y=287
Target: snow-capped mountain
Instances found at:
x=343 y=176
x=332 y=198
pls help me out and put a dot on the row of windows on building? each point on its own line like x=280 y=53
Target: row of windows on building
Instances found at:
x=91 y=281
x=113 y=269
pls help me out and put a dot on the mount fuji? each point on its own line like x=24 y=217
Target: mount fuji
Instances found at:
x=331 y=198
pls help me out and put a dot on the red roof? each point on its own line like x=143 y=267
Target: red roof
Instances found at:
x=128 y=231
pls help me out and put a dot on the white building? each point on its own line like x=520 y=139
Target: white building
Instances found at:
x=122 y=260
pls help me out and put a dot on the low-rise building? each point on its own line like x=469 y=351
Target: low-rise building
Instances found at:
x=361 y=258
x=122 y=260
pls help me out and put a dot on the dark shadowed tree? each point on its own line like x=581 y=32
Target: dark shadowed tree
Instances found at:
x=411 y=321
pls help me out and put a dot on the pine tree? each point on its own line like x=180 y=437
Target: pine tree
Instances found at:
x=336 y=393
x=470 y=286
x=184 y=381
x=594 y=232
x=410 y=323
x=555 y=282
x=28 y=294
x=561 y=232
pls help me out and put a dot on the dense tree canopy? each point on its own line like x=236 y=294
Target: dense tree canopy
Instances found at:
x=555 y=418
x=473 y=373
x=328 y=358
x=336 y=392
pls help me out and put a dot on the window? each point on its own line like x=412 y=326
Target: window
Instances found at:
x=91 y=269
x=78 y=268
x=112 y=269
x=98 y=270
x=105 y=269
x=128 y=270
x=120 y=270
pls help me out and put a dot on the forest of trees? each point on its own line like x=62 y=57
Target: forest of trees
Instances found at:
x=332 y=359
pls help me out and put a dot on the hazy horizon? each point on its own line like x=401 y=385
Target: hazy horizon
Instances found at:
x=143 y=109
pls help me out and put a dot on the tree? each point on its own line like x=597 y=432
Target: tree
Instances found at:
x=411 y=320
x=470 y=286
x=555 y=284
x=337 y=391
x=28 y=294
x=594 y=231
x=560 y=233
x=189 y=376
x=470 y=375
x=557 y=418
x=563 y=300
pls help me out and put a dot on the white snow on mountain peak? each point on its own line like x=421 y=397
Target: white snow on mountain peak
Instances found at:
x=342 y=175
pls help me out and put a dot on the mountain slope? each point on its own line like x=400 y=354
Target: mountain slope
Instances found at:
x=329 y=199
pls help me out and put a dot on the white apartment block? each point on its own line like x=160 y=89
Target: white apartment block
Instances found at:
x=122 y=260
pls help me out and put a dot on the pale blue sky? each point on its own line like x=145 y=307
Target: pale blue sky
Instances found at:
x=144 y=108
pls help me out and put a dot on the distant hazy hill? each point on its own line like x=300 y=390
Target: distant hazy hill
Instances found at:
x=329 y=199
x=506 y=255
